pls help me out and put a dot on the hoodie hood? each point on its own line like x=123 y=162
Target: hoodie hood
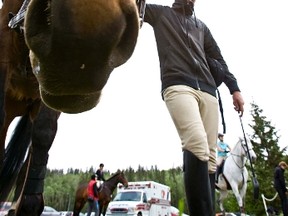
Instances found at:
x=178 y=3
x=183 y=7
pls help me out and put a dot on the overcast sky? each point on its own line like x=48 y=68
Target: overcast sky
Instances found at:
x=131 y=125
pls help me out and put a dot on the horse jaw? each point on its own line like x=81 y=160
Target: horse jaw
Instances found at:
x=66 y=103
x=75 y=45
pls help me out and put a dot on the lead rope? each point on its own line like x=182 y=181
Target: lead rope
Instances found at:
x=255 y=181
x=221 y=111
x=141 y=9
x=248 y=153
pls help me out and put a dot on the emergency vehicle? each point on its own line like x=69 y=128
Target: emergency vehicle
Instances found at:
x=144 y=198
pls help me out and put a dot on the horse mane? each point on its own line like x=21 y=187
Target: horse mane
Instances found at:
x=115 y=174
x=84 y=183
x=236 y=146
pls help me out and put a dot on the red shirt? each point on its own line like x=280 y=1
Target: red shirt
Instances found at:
x=91 y=188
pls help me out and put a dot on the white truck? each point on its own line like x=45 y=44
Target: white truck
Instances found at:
x=143 y=198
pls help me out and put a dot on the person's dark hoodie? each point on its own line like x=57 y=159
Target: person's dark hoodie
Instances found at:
x=183 y=42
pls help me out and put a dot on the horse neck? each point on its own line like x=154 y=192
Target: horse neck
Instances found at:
x=237 y=154
x=112 y=182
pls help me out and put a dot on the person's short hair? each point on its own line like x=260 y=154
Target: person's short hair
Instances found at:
x=101 y=165
x=93 y=177
x=283 y=163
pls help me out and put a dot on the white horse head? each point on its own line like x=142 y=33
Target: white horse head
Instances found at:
x=246 y=148
x=235 y=174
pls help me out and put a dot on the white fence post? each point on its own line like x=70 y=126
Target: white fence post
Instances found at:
x=266 y=199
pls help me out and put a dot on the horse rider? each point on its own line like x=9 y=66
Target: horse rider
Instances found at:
x=100 y=175
x=221 y=154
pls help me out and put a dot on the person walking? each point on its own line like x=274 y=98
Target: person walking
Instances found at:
x=222 y=151
x=93 y=204
x=280 y=185
x=184 y=44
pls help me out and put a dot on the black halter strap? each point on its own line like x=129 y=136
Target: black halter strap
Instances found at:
x=17 y=20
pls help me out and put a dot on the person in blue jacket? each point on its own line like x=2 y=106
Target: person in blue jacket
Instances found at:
x=222 y=150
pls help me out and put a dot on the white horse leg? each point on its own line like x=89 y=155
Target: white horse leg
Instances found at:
x=222 y=196
x=238 y=197
x=242 y=194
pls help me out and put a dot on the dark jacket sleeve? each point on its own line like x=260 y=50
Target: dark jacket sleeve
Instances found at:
x=213 y=51
x=152 y=13
x=99 y=175
x=95 y=190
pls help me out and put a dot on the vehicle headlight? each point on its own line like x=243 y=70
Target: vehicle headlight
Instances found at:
x=131 y=209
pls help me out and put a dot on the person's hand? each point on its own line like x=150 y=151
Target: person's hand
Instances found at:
x=238 y=102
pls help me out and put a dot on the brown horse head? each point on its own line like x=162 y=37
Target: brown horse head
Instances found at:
x=75 y=45
x=121 y=178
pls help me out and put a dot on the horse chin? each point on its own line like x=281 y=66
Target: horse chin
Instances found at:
x=75 y=45
x=71 y=104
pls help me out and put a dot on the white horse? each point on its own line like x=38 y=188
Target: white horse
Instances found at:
x=235 y=175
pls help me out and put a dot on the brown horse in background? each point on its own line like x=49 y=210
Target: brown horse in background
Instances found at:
x=35 y=130
x=105 y=192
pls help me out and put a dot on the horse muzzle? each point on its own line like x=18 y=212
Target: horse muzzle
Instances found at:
x=75 y=45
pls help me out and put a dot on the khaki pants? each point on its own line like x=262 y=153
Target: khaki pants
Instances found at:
x=99 y=183
x=195 y=115
x=220 y=159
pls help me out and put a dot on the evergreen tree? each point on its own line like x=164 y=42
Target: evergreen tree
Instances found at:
x=265 y=143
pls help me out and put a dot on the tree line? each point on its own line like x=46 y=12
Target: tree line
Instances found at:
x=60 y=188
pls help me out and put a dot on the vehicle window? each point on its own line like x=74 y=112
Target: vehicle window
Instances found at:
x=128 y=196
x=117 y=197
